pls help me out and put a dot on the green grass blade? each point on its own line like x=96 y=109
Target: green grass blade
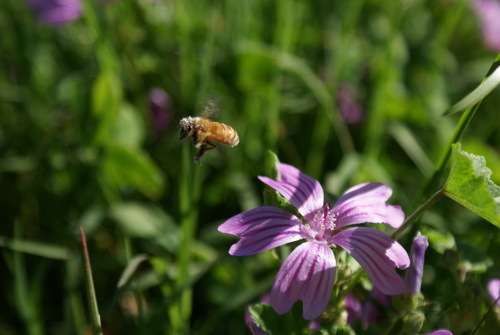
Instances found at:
x=130 y=269
x=488 y=84
x=408 y=141
x=95 y=318
x=35 y=248
x=24 y=300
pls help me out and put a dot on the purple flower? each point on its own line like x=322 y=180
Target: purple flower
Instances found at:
x=489 y=15
x=56 y=12
x=494 y=290
x=370 y=311
x=308 y=272
x=416 y=269
x=351 y=110
x=374 y=309
x=353 y=308
x=160 y=106
x=441 y=332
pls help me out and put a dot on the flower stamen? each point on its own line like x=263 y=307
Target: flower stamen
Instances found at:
x=324 y=222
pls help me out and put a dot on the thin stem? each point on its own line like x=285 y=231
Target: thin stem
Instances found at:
x=94 y=309
x=485 y=315
x=410 y=219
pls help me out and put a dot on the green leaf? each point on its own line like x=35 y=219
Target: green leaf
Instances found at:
x=473 y=259
x=106 y=99
x=258 y=313
x=480 y=147
x=41 y=249
x=439 y=240
x=130 y=269
x=128 y=128
x=136 y=219
x=489 y=83
x=17 y=164
x=470 y=185
x=269 y=321
x=90 y=220
x=148 y=222
x=129 y=166
x=273 y=161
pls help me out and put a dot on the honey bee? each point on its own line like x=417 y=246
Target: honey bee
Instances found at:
x=204 y=132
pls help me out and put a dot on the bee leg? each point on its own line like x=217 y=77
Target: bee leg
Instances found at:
x=204 y=148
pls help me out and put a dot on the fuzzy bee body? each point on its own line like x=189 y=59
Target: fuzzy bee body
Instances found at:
x=204 y=132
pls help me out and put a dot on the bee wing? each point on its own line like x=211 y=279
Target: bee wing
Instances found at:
x=210 y=109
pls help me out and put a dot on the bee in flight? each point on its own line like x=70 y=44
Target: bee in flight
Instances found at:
x=205 y=132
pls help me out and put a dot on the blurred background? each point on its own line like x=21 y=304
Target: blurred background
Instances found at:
x=91 y=93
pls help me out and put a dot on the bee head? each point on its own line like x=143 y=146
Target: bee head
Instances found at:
x=186 y=126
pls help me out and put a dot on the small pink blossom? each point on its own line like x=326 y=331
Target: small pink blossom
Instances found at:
x=56 y=12
x=488 y=12
x=308 y=273
x=161 y=107
x=440 y=332
x=494 y=290
x=353 y=308
x=349 y=107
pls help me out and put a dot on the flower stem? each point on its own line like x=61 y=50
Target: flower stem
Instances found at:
x=484 y=316
x=410 y=219
x=189 y=195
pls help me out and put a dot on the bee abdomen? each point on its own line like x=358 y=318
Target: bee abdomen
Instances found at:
x=222 y=133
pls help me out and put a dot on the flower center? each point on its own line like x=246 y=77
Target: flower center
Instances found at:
x=324 y=222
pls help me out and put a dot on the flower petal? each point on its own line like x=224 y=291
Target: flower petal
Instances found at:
x=416 y=270
x=367 y=203
x=353 y=308
x=378 y=254
x=307 y=274
x=440 y=332
x=261 y=229
x=494 y=290
x=304 y=192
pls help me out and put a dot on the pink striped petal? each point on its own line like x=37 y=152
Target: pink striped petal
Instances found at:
x=261 y=229
x=367 y=203
x=378 y=254
x=302 y=191
x=307 y=274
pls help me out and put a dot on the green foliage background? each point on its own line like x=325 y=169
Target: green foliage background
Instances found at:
x=78 y=147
